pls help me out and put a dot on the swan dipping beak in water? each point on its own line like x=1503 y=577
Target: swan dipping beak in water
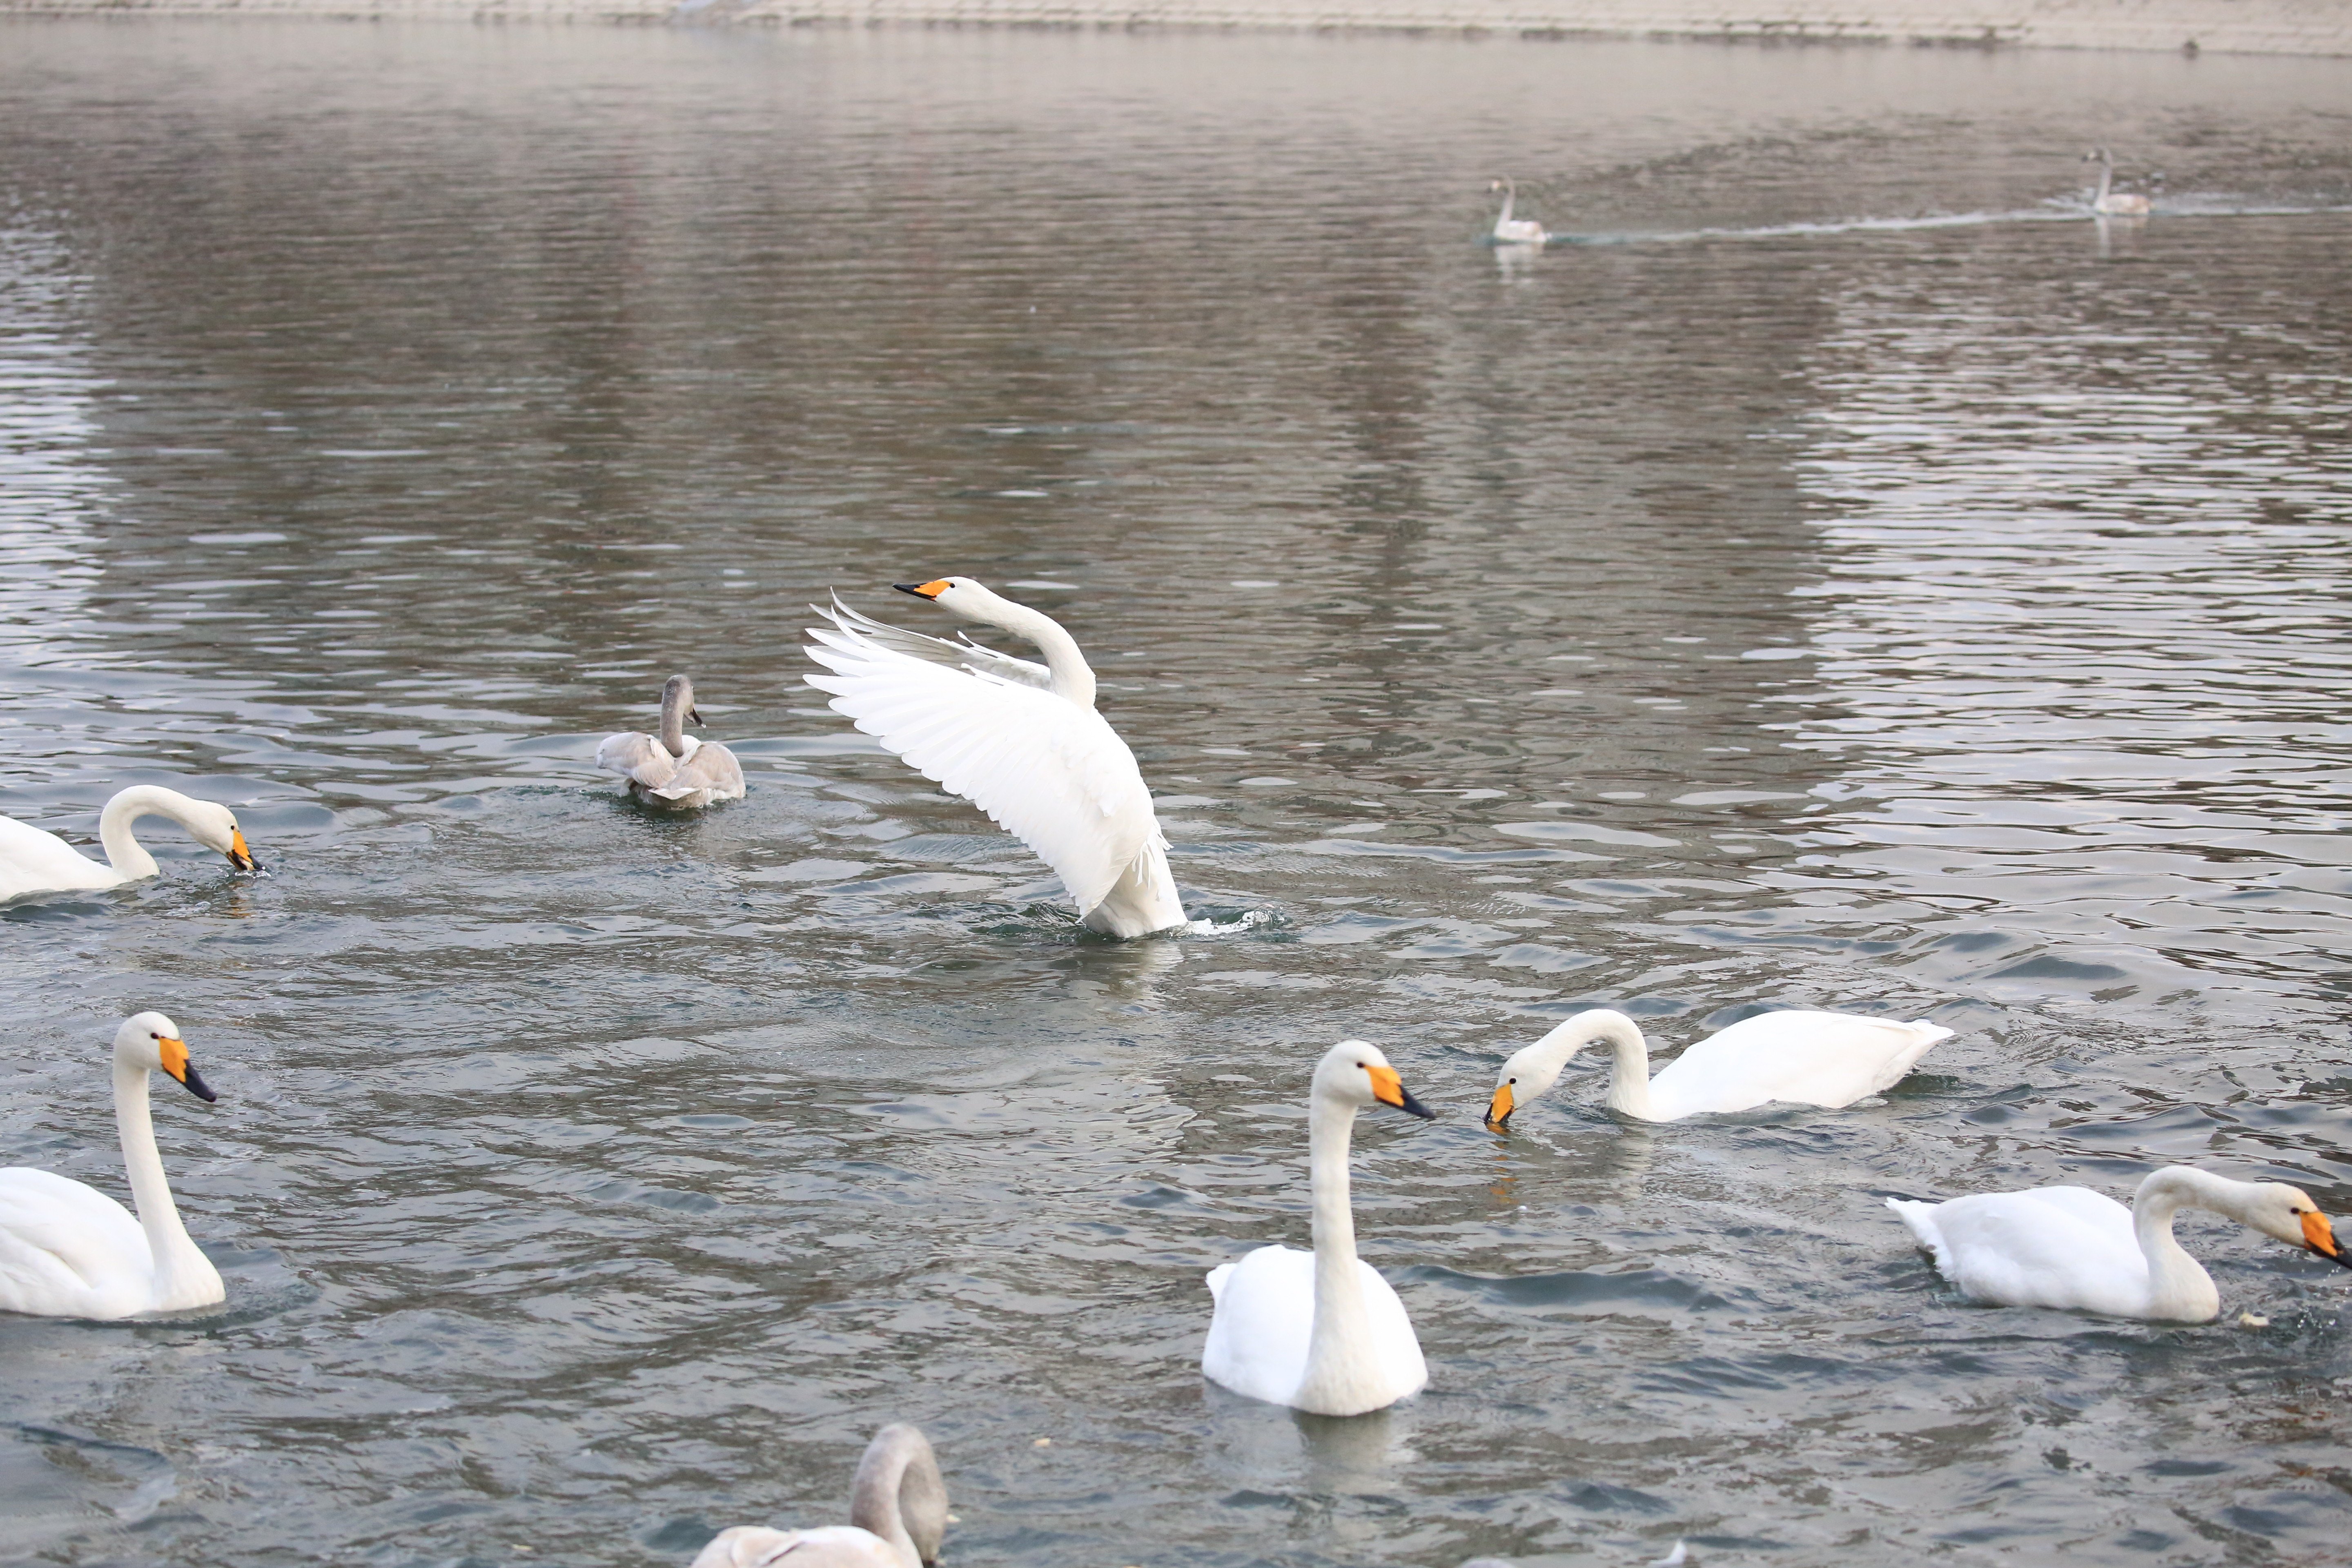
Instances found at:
x=1828 y=1059
x=34 y=861
x=1018 y=739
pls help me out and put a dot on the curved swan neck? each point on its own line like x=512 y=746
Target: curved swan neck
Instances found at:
x=151 y=1194
x=1072 y=679
x=1629 y=1072
x=123 y=851
x=2179 y=1286
x=1510 y=195
x=899 y=1495
x=2107 y=176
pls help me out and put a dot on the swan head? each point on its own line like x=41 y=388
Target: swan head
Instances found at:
x=962 y=597
x=2098 y=155
x=151 y=1043
x=1530 y=1072
x=213 y=826
x=1355 y=1073
x=678 y=695
x=2288 y=1214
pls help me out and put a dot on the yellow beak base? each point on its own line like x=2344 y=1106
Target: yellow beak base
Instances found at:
x=1498 y=1110
x=238 y=855
x=2319 y=1235
x=174 y=1053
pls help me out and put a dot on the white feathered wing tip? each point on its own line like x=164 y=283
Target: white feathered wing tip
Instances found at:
x=1052 y=773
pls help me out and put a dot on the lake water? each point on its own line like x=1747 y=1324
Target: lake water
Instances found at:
x=1843 y=575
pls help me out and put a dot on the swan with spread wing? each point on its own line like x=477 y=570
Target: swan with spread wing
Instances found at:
x=1018 y=739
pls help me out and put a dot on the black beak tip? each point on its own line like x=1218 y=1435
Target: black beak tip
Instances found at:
x=198 y=1086
x=1413 y=1107
x=694 y=714
x=914 y=588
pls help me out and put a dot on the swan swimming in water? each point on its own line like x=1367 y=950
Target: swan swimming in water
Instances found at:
x=1509 y=230
x=2115 y=204
x=1320 y=1331
x=67 y=1250
x=1020 y=741
x=32 y=861
x=2071 y=1247
x=898 y=1513
x=674 y=769
x=1829 y=1059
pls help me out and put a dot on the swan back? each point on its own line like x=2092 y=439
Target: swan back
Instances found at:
x=1792 y=1057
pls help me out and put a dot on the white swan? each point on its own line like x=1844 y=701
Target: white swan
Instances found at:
x=1509 y=230
x=2116 y=204
x=1020 y=741
x=68 y=1250
x=1829 y=1059
x=32 y=861
x=2072 y=1248
x=1320 y=1331
x=897 y=1511
x=674 y=769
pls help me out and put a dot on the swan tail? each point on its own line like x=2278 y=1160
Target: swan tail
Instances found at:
x=1921 y=1217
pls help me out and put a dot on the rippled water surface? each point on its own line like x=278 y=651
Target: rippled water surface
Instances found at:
x=1849 y=576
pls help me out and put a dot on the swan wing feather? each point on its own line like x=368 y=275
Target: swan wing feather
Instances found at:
x=833 y=1546
x=1052 y=773
x=708 y=766
x=2065 y=1247
x=1264 y=1323
x=1796 y=1057
x=68 y=1250
x=33 y=860
x=639 y=757
x=961 y=653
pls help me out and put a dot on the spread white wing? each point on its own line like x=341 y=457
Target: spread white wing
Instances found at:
x=961 y=654
x=1053 y=774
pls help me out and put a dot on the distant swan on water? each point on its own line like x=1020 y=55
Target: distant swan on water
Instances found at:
x=1829 y=1059
x=32 y=861
x=2113 y=203
x=1509 y=230
x=1020 y=741
x=67 y=1250
x=897 y=1517
x=2071 y=1248
x=1320 y=1331
x=674 y=769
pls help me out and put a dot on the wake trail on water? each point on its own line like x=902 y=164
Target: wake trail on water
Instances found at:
x=2070 y=212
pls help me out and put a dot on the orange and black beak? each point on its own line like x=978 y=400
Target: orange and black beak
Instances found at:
x=931 y=590
x=1500 y=1109
x=1389 y=1090
x=240 y=856
x=2320 y=1237
x=176 y=1062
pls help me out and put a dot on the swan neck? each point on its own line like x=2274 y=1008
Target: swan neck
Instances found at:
x=2107 y=175
x=123 y=851
x=1072 y=679
x=1510 y=195
x=874 y=1501
x=2179 y=1286
x=1339 y=1316
x=672 y=720
x=1629 y=1073
x=151 y=1194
